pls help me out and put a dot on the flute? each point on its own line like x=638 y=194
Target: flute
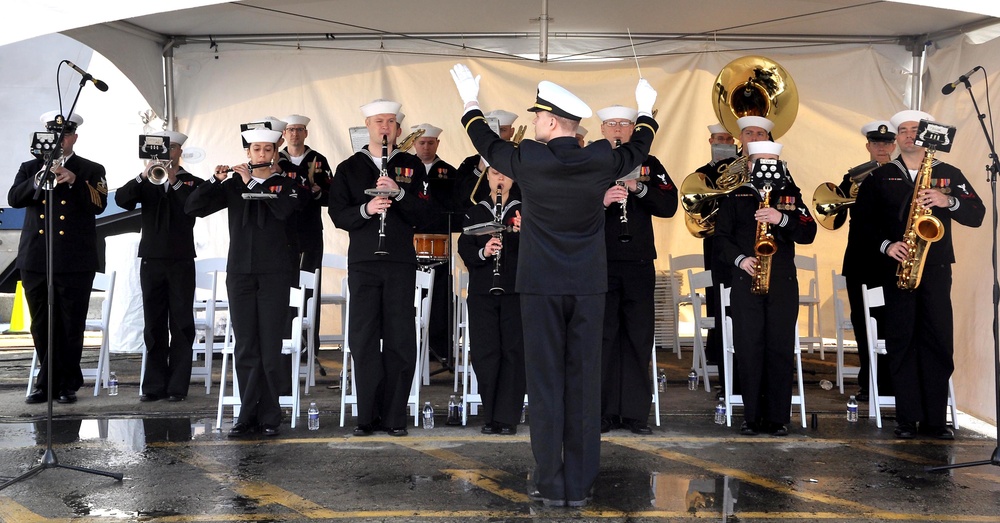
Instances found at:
x=251 y=166
x=623 y=236
x=497 y=290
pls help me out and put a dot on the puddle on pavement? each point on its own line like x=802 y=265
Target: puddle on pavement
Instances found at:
x=686 y=494
x=132 y=434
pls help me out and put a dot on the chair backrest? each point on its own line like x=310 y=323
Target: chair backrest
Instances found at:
x=810 y=265
x=839 y=284
x=676 y=266
x=207 y=277
x=727 y=321
x=423 y=295
x=698 y=281
x=872 y=298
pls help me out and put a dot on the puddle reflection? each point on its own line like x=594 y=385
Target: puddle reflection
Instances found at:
x=706 y=495
x=130 y=434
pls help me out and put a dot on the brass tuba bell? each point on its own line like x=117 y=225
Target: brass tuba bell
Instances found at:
x=755 y=86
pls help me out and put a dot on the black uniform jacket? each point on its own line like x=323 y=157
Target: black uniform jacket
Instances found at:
x=259 y=239
x=410 y=208
x=167 y=231
x=563 y=186
x=310 y=221
x=883 y=208
x=657 y=196
x=469 y=189
x=441 y=180
x=75 y=208
x=470 y=248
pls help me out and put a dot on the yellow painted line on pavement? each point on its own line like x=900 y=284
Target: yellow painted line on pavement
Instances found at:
x=485 y=480
x=11 y=510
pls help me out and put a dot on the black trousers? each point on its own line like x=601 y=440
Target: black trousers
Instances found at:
x=629 y=320
x=167 y=294
x=382 y=339
x=497 y=354
x=69 y=315
x=562 y=357
x=764 y=340
x=919 y=337
x=258 y=304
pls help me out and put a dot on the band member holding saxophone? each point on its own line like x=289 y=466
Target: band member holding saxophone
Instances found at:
x=166 y=274
x=381 y=278
x=80 y=193
x=920 y=336
x=860 y=265
x=497 y=350
x=263 y=264
x=629 y=308
x=757 y=229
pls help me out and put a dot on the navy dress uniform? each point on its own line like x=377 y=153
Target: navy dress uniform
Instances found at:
x=262 y=267
x=75 y=206
x=562 y=273
x=166 y=275
x=470 y=188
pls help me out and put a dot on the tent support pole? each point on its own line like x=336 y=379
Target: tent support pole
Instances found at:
x=168 y=81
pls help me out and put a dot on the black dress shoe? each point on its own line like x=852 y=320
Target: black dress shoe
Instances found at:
x=938 y=432
x=489 y=428
x=148 y=397
x=366 y=429
x=241 y=430
x=66 y=396
x=779 y=430
x=608 y=424
x=175 y=398
x=504 y=429
x=637 y=426
x=862 y=395
x=535 y=495
x=37 y=396
x=748 y=429
x=905 y=431
x=269 y=430
x=397 y=432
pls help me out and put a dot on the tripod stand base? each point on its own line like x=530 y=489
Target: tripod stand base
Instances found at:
x=49 y=461
x=994 y=460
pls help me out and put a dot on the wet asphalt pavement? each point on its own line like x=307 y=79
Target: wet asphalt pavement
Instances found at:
x=178 y=467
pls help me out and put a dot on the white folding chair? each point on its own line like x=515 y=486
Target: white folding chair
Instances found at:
x=348 y=384
x=461 y=331
x=232 y=398
x=293 y=346
x=423 y=320
x=335 y=267
x=811 y=301
x=310 y=283
x=700 y=282
x=471 y=399
x=656 y=388
x=843 y=325
x=208 y=303
x=676 y=266
x=876 y=401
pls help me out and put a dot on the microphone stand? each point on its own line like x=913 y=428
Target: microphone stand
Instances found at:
x=49 y=459
x=992 y=171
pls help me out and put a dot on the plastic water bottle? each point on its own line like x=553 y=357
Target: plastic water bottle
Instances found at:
x=852 y=410
x=112 y=384
x=692 y=380
x=661 y=381
x=313 y=416
x=720 y=413
x=524 y=412
x=428 y=416
x=454 y=411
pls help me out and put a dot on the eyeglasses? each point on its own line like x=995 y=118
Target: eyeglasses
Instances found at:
x=611 y=123
x=295 y=129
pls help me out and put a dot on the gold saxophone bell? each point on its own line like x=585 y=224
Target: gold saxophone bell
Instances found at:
x=519 y=134
x=755 y=86
x=407 y=142
x=156 y=172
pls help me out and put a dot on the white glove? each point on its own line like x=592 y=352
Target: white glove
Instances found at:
x=645 y=97
x=468 y=87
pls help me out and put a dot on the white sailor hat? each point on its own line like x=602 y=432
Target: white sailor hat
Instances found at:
x=581 y=130
x=909 y=115
x=504 y=117
x=717 y=128
x=879 y=131
x=755 y=121
x=296 y=119
x=75 y=120
x=560 y=102
x=617 y=111
x=261 y=136
x=276 y=124
x=429 y=130
x=763 y=147
x=380 y=106
x=400 y=116
x=175 y=137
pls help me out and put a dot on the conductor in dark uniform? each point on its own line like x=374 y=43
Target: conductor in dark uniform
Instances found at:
x=383 y=341
x=166 y=275
x=80 y=194
x=764 y=322
x=470 y=188
x=562 y=273
x=262 y=267
x=920 y=337
x=629 y=309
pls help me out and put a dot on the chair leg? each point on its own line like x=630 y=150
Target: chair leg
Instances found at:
x=656 y=387
x=32 y=373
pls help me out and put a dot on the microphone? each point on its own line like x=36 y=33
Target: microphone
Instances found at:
x=101 y=86
x=948 y=89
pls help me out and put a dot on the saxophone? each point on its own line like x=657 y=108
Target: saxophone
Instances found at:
x=763 y=248
x=922 y=229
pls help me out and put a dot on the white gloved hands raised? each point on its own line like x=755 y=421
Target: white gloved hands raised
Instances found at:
x=468 y=86
x=645 y=97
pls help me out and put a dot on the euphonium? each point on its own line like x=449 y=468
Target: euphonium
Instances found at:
x=699 y=194
x=408 y=142
x=763 y=248
x=922 y=229
x=156 y=171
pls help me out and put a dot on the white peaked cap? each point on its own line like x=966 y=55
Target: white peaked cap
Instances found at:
x=380 y=106
x=297 y=119
x=557 y=100
x=429 y=130
x=261 y=136
x=617 y=111
x=51 y=115
x=874 y=125
x=909 y=115
x=504 y=117
x=763 y=147
x=581 y=130
x=717 y=128
x=175 y=137
x=755 y=121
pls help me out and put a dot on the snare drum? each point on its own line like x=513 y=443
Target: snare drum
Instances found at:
x=431 y=246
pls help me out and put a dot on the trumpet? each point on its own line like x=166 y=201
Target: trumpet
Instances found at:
x=48 y=182
x=496 y=289
x=410 y=139
x=156 y=171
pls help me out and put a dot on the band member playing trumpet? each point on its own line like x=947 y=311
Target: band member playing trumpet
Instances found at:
x=166 y=274
x=629 y=308
x=764 y=322
x=920 y=336
x=497 y=350
x=80 y=193
x=263 y=264
x=381 y=285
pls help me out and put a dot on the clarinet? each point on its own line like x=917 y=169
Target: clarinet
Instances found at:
x=497 y=290
x=380 y=251
x=623 y=236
